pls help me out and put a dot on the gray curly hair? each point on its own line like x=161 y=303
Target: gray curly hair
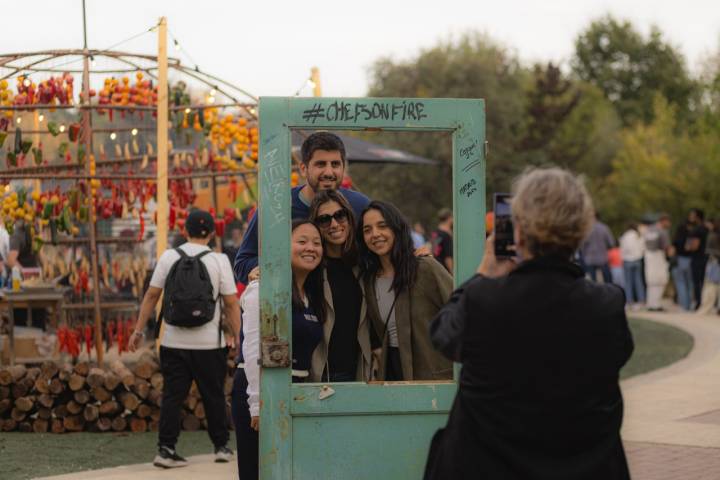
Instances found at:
x=553 y=209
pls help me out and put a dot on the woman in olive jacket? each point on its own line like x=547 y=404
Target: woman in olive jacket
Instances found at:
x=541 y=349
x=403 y=293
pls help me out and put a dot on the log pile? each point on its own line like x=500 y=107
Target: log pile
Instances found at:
x=83 y=397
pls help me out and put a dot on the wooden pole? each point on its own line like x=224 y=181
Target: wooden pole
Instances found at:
x=92 y=226
x=162 y=140
x=161 y=233
x=315 y=77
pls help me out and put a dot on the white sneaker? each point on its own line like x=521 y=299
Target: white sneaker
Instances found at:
x=168 y=458
x=223 y=454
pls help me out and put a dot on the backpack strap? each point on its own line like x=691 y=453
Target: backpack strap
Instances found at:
x=181 y=252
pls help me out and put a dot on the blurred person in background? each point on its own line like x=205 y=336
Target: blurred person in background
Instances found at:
x=418 y=235
x=632 y=250
x=441 y=239
x=594 y=250
x=689 y=273
x=657 y=249
x=711 y=287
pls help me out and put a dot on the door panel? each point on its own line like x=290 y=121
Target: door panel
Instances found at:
x=353 y=430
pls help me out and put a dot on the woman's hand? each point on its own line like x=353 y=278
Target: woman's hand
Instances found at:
x=492 y=266
x=134 y=340
x=255 y=423
x=254 y=274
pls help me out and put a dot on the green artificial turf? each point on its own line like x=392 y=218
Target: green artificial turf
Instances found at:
x=30 y=455
x=656 y=345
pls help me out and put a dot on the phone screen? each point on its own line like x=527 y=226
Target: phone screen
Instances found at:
x=504 y=240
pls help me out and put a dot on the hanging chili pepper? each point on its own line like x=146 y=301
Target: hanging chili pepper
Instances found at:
x=233 y=190
x=171 y=217
x=38 y=154
x=74 y=132
x=62 y=339
x=126 y=334
x=110 y=332
x=141 y=234
x=88 y=337
x=53 y=128
x=18 y=140
x=119 y=338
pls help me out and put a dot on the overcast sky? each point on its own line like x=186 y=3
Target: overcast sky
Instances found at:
x=268 y=47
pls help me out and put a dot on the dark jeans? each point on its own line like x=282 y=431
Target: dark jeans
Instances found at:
x=393 y=371
x=592 y=271
x=179 y=368
x=698 y=265
x=247 y=439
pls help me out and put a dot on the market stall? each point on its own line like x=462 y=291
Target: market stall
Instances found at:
x=97 y=177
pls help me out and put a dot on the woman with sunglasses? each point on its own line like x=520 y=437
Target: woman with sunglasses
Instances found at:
x=308 y=314
x=344 y=355
x=403 y=293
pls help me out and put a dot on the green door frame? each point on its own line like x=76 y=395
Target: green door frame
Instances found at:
x=284 y=403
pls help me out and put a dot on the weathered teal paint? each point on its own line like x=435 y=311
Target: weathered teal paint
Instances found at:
x=360 y=430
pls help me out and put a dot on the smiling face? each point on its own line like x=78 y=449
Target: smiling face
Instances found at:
x=324 y=171
x=306 y=248
x=337 y=231
x=377 y=234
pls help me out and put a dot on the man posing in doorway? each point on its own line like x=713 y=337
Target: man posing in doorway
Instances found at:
x=196 y=353
x=442 y=239
x=323 y=166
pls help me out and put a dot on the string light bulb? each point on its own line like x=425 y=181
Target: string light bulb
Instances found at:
x=212 y=92
x=62 y=128
x=19 y=120
x=133 y=131
x=177 y=44
x=113 y=136
x=187 y=110
x=27 y=82
x=41 y=117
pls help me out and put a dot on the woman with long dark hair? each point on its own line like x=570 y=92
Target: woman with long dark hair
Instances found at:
x=403 y=293
x=344 y=355
x=308 y=313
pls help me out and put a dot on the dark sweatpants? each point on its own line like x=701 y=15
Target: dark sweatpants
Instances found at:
x=247 y=438
x=179 y=368
x=697 y=266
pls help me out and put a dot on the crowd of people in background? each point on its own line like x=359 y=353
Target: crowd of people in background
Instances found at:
x=648 y=255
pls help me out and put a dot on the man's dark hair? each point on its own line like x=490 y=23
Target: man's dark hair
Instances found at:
x=444 y=214
x=402 y=254
x=321 y=141
x=699 y=213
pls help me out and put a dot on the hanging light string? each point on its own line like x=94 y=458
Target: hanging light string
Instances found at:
x=107 y=49
x=180 y=48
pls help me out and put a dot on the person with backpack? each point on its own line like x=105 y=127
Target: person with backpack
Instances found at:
x=192 y=280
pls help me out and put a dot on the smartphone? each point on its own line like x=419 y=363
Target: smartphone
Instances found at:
x=504 y=239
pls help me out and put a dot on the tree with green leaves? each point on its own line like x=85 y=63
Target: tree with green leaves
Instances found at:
x=630 y=69
x=473 y=66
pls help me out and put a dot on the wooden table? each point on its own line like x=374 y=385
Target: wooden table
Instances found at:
x=31 y=299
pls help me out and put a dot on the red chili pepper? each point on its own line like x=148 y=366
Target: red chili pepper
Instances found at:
x=171 y=217
x=220 y=227
x=119 y=338
x=88 y=337
x=141 y=234
x=110 y=328
x=62 y=339
x=126 y=336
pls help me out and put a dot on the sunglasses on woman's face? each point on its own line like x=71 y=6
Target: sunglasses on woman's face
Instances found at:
x=324 y=221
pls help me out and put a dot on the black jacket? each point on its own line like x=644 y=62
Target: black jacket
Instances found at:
x=539 y=396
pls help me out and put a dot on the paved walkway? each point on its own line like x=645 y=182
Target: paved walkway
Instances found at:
x=200 y=467
x=671 y=429
x=672 y=415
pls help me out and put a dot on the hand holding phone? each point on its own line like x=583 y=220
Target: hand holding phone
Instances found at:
x=504 y=244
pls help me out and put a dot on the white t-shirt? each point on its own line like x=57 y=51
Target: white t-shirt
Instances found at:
x=218 y=266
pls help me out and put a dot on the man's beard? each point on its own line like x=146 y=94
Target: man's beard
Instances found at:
x=315 y=185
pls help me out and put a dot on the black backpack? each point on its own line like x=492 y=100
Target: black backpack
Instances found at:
x=188 y=296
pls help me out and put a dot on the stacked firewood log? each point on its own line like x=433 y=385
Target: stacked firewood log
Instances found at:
x=83 y=397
